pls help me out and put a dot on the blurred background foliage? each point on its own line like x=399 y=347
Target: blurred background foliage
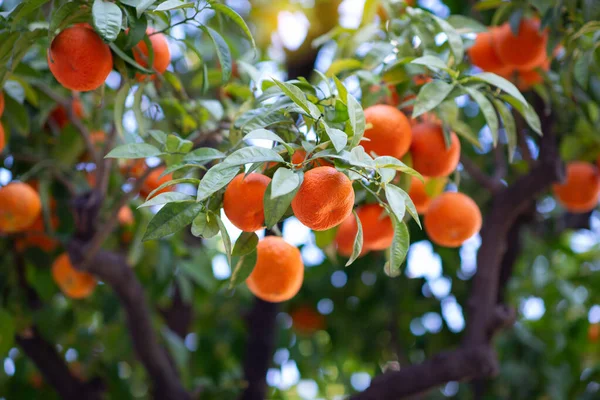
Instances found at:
x=359 y=321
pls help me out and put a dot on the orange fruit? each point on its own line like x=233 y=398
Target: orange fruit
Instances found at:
x=306 y=320
x=524 y=50
x=378 y=231
x=243 y=201
x=73 y=283
x=160 y=48
x=483 y=54
x=279 y=271
x=324 y=200
x=429 y=153
x=79 y=59
x=390 y=134
x=154 y=180
x=300 y=155
x=579 y=192
x=391 y=99
x=594 y=333
x=35 y=235
x=452 y=218
x=98 y=137
x=125 y=216
x=20 y=205
x=528 y=78
x=59 y=114
x=1 y=104
x=419 y=196
x=2 y=138
x=134 y=168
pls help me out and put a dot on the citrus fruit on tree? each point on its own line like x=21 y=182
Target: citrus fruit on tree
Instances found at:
x=2 y=138
x=579 y=192
x=20 y=205
x=59 y=114
x=79 y=59
x=378 y=231
x=452 y=218
x=390 y=132
x=300 y=155
x=306 y=320
x=243 y=201
x=483 y=54
x=161 y=57
x=73 y=283
x=419 y=195
x=36 y=236
x=524 y=50
x=1 y=103
x=154 y=180
x=430 y=155
x=279 y=271
x=324 y=200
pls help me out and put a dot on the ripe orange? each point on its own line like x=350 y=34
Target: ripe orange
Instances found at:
x=98 y=137
x=79 y=59
x=390 y=134
x=579 y=192
x=73 y=283
x=452 y=218
x=160 y=48
x=524 y=50
x=1 y=104
x=429 y=153
x=59 y=114
x=125 y=216
x=154 y=180
x=528 y=78
x=278 y=272
x=378 y=231
x=300 y=155
x=594 y=333
x=324 y=200
x=2 y=138
x=35 y=235
x=419 y=196
x=133 y=168
x=306 y=320
x=243 y=201
x=391 y=99
x=484 y=56
x=20 y=206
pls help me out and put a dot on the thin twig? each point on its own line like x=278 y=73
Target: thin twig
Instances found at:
x=476 y=173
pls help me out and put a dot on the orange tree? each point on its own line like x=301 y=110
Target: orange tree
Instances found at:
x=148 y=146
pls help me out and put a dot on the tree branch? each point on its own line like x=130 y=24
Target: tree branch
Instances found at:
x=54 y=369
x=112 y=269
x=490 y=183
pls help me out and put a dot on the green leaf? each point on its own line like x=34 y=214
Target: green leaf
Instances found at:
x=171 y=218
x=501 y=83
x=223 y=52
x=400 y=245
x=173 y=5
x=531 y=117
x=177 y=349
x=275 y=208
x=488 y=111
x=341 y=65
x=24 y=9
x=7 y=332
x=157 y=135
x=410 y=206
x=137 y=31
x=235 y=17
x=173 y=182
x=128 y=59
x=358 y=241
x=342 y=91
x=263 y=134
x=454 y=39
x=225 y=237
x=396 y=200
x=17 y=115
x=431 y=62
x=63 y=15
x=203 y=154
x=295 y=94
x=15 y=90
x=243 y=269
x=215 y=179
x=119 y=109
x=245 y=244
x=357 y=119
x=168 y=197
x=252 y=154
x=509 y=127
x=134 y=150
x=285 y=181
x=337 y=137
x=430 y=96
x=466 y=24
x=205 y=226
x=107 y=18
